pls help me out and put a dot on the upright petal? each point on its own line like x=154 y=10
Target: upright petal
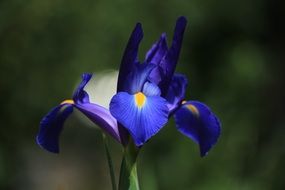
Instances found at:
x=130 y=56
x=101 y=117
x=51 y=127
x=80 y=95
x=168 y=64
x=155 y=55
x=142 y=116
x=156 y=75
x=176 y=91
x=196 y=121
x=138 y=77
x=157 y=51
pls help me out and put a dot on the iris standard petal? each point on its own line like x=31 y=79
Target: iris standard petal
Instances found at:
x=157 y=51
x=130 y=56
x=51 y=126
x=196 y=121
x=155 y=55
x=176 y=91
x=143 y=116
x=138 y=77
x=101 y=117
x=168 y=64
x=80 y=95
x=156 y=75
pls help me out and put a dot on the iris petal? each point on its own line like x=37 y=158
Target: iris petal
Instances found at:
x=80 y=95
x=196 y=121
x=51 y=127
x=155 y=55
x=52 y=124
x=130 y=56
x=101 y=117
x=143 y=116
x=176 y=91
x=157 y=51
x=151 y=89
x=168 y=64
x=96 y=113
x=138 y=77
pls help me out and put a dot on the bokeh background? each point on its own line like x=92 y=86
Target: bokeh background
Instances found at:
x=233 y=54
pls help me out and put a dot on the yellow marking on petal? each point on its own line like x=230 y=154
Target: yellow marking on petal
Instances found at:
x=140 y=99
x=183 y=102
x=193 y=109
x=67 y=102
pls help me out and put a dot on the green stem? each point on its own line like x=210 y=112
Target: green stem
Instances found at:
x=128 y=175
x=110 y=163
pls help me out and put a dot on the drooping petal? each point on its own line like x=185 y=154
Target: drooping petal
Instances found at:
x=143 y=116
x=101 y=117
x=130 y=56
x=168 y=64
x=137 y=78
x=195 y=120
x=157 y=51
x=96 y=113
x=176 y=91
x=80 y=95
x=51 y=126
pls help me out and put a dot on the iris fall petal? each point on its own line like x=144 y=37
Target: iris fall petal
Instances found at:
x=143 y=116
x=101 y=117
x=51 y=126
x=196 y=121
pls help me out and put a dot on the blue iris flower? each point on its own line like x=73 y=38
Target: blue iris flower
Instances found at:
x=148 y=94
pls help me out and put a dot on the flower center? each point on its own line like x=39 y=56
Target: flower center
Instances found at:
x=140 y=99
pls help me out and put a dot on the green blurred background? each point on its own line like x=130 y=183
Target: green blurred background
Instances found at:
x=233 y=54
